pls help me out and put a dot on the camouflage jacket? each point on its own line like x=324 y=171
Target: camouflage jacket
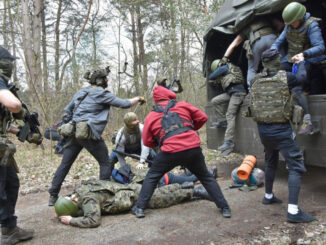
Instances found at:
x=96 y=197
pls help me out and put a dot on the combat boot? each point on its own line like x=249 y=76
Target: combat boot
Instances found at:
x=200 y=192
x=13 y=235
x=227 y=145
x=52 y=200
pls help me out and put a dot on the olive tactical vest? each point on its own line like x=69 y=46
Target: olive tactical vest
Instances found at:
x=298 y=40
x=271 y=101
x=5 y=117
x=133 y=141
x=234 y=76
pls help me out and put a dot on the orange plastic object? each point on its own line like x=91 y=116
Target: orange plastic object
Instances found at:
x=246 y=167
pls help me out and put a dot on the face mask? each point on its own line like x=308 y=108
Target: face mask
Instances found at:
x=6 y=68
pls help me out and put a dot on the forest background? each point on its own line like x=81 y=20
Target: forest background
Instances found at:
x=141 y=40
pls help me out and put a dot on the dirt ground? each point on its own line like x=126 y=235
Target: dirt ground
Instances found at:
x=197 y=222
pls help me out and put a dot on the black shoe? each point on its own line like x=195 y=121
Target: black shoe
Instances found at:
x=215 y=125
x=300 y=217
x=227 y=145
x=200 y=192
x=274 y=199
x=14 y=235
x=139 y=212
x=226 y=212
x=52 y=200
x=213 y=172
x=187 y=185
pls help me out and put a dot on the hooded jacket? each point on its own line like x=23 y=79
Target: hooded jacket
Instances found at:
x=180 y=142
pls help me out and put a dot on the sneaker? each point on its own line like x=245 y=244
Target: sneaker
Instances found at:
x=15 y=234
x=52 y=200
x=227 y=145
x=226 y=212
x=139 y=212
x=274 y=199
x=219 y=125
x=306 y=129
x=300 y=217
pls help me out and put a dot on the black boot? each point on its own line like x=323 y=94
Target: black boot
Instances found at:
x=52 y=200
x=200 y=192
x=13 y=235
x=139 y=212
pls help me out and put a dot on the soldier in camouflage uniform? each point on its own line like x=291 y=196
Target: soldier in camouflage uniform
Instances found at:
x=227 y=104
x=96 y=197
x=304 y=39
x=271 y=107
x=10 y=108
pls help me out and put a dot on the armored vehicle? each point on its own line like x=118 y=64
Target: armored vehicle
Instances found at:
x=228 y=22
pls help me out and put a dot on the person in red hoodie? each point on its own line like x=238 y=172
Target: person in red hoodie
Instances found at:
x=177 y=147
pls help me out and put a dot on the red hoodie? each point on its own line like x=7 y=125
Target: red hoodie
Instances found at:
x=180 y=142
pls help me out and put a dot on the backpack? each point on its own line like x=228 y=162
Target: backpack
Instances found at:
x=172 y=123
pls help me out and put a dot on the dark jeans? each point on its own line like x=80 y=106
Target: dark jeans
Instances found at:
x=177 y=179
x=96 y=147
x=297 y=91
x=9 y=186
x=193 y=160
x=279 y=138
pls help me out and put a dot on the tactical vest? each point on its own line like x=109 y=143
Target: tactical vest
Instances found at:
x=172 y=123
x=132 y=143
x=234 y=76
x=271 y=101
x=298 y=40
x=258 y=29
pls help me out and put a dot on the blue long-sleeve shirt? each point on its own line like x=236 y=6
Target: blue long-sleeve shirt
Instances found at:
x=94 y=108
x=316 y=52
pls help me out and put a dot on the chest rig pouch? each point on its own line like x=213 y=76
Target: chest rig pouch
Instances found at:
x=172 y=123
x=271 y=101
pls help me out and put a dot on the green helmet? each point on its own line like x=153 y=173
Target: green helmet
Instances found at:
x=65 y=206
x=215 y=64
x=161 y=81
x=292 y=12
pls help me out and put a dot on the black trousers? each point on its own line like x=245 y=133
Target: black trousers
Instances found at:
x=193 y=160
x=9 y=187
x=279 y=138
x=96 y=147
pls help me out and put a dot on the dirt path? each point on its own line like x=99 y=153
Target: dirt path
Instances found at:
x=196 y=222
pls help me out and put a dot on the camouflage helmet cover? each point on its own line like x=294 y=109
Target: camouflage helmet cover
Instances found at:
x=292 y=12
x=95 y=76
x=65 y=206
x=215 y=64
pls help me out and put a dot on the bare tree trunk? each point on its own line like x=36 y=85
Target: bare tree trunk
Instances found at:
x=141 y=46
x=173 y=39
x=12 y=34
x=58 y=85
x=134 y=45
x=182 y=43
x=5 y=24
x=44 y=51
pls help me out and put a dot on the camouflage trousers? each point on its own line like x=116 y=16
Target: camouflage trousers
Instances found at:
x=226 y=108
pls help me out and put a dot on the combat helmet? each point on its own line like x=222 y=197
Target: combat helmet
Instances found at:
x=97 y=76
x=65 y=206
x=215 y=64
x=292 y=12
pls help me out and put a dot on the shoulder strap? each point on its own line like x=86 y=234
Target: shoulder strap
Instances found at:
x=82 y=98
